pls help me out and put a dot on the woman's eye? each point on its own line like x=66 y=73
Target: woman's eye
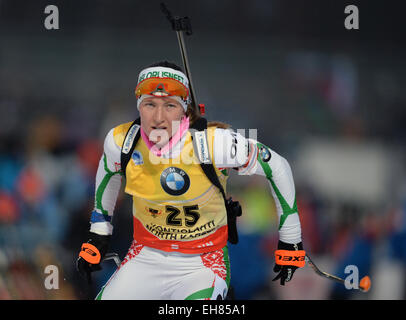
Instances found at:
x=171 y=105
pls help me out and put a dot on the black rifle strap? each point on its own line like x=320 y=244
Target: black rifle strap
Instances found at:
x=126 y=156
x=208 y=168
x=233 y=208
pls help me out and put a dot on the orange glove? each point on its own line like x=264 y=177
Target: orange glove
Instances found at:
x=91 y=254
x=288 y=258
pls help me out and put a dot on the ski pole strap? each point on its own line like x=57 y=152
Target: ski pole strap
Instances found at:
x=90 y=253
x=290 y=258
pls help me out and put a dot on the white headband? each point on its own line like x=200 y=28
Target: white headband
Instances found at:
x=164 y=72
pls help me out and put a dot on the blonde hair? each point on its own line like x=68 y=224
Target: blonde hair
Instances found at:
x=193 y=115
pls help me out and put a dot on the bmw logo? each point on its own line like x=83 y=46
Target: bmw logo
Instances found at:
x=175 y=181
x=264 y=153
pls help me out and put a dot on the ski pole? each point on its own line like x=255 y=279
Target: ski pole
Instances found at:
x=113 y=256
x=364 y=284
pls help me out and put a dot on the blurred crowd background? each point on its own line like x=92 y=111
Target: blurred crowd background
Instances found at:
x=330 y=100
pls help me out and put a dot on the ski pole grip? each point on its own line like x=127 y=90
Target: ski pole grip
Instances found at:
x=90 y=253
x=290 y=258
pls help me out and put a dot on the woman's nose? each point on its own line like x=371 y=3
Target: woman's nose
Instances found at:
x=158 y=114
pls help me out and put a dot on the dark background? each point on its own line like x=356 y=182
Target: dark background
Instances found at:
x=330 y=100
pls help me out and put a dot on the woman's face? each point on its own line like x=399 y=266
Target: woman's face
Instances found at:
x=160 y=118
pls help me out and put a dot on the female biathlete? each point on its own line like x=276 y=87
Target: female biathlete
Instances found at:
x=180 y=219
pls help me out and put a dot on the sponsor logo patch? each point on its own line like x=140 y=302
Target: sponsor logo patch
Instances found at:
x=265 y=154
x=175 y=181
x=137 y=157
x=202 y=147
x=130 y=138
x=153 y=212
